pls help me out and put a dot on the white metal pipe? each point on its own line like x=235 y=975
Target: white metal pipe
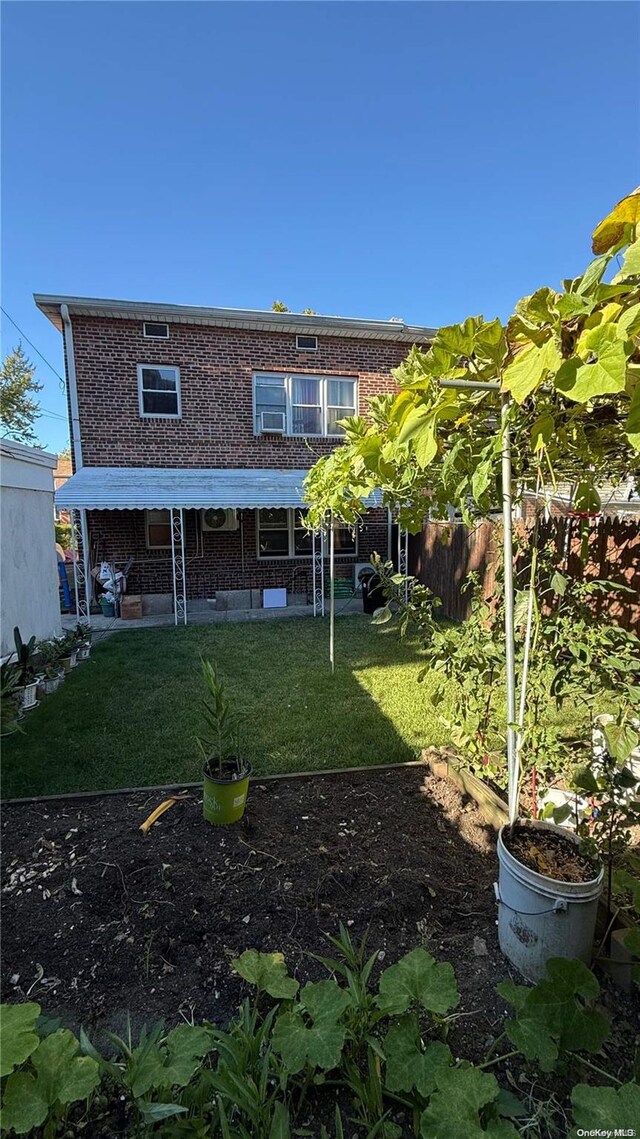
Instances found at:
x=86 y=561
x=509 y=641
x=173 y=568
x=73 y=387
x=184 y=568
x=332 y=597
x=389 y=535
x=313 y=571
x=74 y=560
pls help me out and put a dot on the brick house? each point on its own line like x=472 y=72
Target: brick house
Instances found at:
x=192 y=430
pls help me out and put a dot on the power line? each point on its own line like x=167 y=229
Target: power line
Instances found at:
x=32 y=345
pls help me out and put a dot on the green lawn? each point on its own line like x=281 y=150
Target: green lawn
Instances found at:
x=129 y=717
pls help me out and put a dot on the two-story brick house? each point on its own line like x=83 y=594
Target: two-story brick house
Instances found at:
x=192 y=430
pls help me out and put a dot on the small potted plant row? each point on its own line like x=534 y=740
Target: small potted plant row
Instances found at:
x=38 y=670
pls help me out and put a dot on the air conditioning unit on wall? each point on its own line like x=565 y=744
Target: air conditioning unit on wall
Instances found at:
x=215 y=518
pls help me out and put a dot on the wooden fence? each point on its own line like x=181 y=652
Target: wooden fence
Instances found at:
x=443 y=555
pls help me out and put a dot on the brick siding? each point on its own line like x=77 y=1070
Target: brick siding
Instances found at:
x=216 y=430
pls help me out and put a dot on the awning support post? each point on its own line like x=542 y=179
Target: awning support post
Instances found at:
x=179 y=572
x=317 y=552
x=80 y=555
x=332 y=597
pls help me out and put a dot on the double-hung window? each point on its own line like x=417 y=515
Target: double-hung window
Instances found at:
x=282 y=534
x=159 y=391
x=158 y=529
x=296 y=404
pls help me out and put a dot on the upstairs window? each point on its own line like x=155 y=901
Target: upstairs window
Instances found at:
x=159 y=391
x=155 y=331
x=299 y=404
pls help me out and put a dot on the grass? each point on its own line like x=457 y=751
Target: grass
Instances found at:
x=129 y=717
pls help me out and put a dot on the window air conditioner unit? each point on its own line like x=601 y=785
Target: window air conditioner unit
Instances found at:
x=273 y=422
x=218 y=519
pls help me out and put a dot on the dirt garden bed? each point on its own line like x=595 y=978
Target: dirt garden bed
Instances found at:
x=101 y=920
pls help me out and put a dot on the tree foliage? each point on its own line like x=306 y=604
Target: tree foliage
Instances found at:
x=18 y=410
x=563 y=372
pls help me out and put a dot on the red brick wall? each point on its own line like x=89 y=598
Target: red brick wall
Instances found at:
x=214 y=560
x=216 y=367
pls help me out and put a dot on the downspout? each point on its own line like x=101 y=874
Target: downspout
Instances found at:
x=73 y=387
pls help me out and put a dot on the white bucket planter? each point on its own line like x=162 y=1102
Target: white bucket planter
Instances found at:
x=538 y=917
x=50 y=684
x=69 y=661
x=83 y=652
x=27 y=695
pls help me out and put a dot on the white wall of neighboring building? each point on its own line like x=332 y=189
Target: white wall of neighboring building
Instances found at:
x=29 y=594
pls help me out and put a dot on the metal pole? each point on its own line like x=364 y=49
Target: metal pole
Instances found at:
x=74 y=562
x=332 y=598
x=313 y=572
x=173 y=565
x=512 y=755
x=406 y=566
x=389 y=535
x=184 y=567
x=322 y=557
x=86 y=561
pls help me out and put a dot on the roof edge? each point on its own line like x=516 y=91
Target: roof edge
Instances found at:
x=49 y=304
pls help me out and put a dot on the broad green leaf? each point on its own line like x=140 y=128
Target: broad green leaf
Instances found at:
x=621 y=740
x=425 y=445
x=629 y=321
x=584 y=780
x=457 y=339
x=454 y=1109
x=62 y=1075
x=408 y=1065
x=592 y=275
x=317 y=1044
x=481 y=479
x=572 y=304
x=490 y=342
x=529 y=368
x=586 y=499
x=559 y=583
x=381 y=616
x=610 y=230
x=538 y=309
x=630 y=264
x=604 y=367
x=18 y=1038
x=156 y=1112
x=268 y=972
x=280 y=1127
x=542 y=431
x=170 y=1063
x=24 y=1106
x=550 y=1017
x=418 y=979
x=605 y=1111
x=414 y=422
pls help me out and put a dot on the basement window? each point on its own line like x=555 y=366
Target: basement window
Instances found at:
x=307 y=343
x=153 y=331
x=158 y=529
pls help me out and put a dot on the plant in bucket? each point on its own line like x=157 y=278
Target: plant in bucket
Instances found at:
x=10 y=708
x=226 y=775
x=51 y=668
x=68 y=651
x=82 y=634
x=27 y=685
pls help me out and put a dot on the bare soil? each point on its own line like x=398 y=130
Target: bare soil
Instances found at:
x=101 y=920
x=546 y=852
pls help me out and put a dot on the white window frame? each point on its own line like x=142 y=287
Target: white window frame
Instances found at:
x=324 y=379
x=291 y=555
x=159 y=414
x=161 y=510
x=305 y=347
x=148 y=336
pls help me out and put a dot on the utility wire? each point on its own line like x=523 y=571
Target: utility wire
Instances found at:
x=32 y=345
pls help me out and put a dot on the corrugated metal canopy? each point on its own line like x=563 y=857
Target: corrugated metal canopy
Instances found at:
x=140 y=488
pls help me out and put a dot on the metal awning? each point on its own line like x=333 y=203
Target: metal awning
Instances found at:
x=158 y=488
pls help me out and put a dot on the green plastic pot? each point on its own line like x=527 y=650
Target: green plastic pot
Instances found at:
x=225 y=798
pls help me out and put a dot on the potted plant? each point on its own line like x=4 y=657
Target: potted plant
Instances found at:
x=68 y=651
x=10 y=709
x=226 y=775
x=27 y=685
x=51 y=668
x=83 y=640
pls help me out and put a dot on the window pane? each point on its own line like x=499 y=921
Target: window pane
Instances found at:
x=268 y=397
x=305 y=389
x=273 y=519
x=301 y=516
x=334 y=415
x=159 y=379
x=158 y=529
x=160 y=403
x=344 y=540
x=340 y=393
x=302 y=542
x=274 y=543
x=307 y=420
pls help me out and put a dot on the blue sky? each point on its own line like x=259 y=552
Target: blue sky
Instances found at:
x=419 y=160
